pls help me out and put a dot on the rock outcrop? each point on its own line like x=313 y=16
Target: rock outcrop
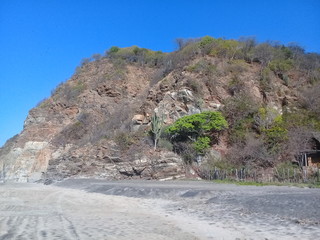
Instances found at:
x=96 y=124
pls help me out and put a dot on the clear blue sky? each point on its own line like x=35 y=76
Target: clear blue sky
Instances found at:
x=42 y=41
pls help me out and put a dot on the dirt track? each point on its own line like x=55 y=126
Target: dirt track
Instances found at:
x=96 y=209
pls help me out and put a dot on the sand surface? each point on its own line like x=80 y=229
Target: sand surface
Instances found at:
x=96 y=209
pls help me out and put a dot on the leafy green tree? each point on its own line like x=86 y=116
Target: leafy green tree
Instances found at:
x=280 y=66
x=205 y=44
x=193 y=126
x=202 y=144
x=199 y=128
x=265 y=118
x=225 y=48
x=206 y=40
x=112 y=50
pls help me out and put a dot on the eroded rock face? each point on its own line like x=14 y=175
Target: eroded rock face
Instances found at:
x=176 y=104
x=67 y=134
x=140 y=119
x=19 y=163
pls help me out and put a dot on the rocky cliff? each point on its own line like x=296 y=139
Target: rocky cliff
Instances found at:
x=74 y=131
x=97 y=123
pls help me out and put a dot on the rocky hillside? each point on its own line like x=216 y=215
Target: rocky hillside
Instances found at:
x=97 y=124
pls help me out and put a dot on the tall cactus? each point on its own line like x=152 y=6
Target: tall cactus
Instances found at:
x=156 y=128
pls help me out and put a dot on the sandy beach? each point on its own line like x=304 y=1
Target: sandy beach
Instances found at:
x=97 y=209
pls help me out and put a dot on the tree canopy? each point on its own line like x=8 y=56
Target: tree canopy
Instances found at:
x=198 y=128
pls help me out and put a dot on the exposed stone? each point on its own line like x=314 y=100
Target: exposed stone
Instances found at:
x=185 y=96
x=108 y=91
x=19 y=163
x=215 y=106
x=140 y=119
x=176 y=104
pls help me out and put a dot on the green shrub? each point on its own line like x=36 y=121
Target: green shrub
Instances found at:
x=138 y=55
x=252 y=152
x=225 y=48
x=275 y=136
x=286 y=171
x=239 y=131
x=239 y=107
x=191 y=135
x=214 y=163
x=113 y=50
x=301 y=118
x=280 y=66
x=194 y=86
x=265 y=80
x=193 y=126
x=205 y=44
x=236 y=85
x=166 y=144
x=203 y=67
x=68 y=91
x=205 y=41
x=186 y=151
x=202 y=144
x=240 y=111
x=73 y=133
x=123 y=140
x=266 y=117
x=187 y=53
x=154 y=58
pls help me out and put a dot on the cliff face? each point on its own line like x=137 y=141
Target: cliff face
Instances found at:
x=74 y=131
x=96 y=124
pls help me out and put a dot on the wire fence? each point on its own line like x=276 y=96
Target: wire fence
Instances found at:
x=285 y=175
